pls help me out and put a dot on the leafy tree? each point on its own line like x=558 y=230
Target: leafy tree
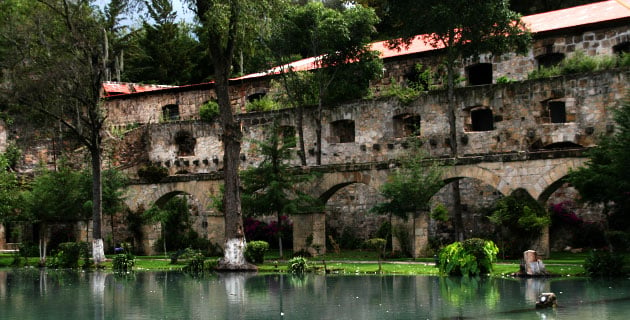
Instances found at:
x=462 y=29
x=521 y=220
x=55 y=197
x=165 y=52
x=114 y=187
x=61 y=62
x=410 y=187
x=271 y=187
x=345 y=63
x=606 y=177
x=64 y=196
x=174 y=220
x=9 y=191
x=229 y=26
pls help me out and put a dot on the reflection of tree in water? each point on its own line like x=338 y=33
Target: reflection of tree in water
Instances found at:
x=464 y=291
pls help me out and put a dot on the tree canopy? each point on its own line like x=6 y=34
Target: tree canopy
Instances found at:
x=411 y=186
x=606 y=177
x=339 y=40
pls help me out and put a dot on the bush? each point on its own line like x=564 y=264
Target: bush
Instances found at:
x=298 y=265
x=67 y=256
x=209 y=110
x=255 y=251
x=471 y=257
x=619 y=240
x=405 y=94
x=262 y=104
x=504 y=79
x=603 y=263
x=195 y=263
x=123 y=262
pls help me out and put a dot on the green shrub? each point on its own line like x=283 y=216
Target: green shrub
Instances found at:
x=579 y=63
x=619 y=240
x=377 y=244
x=209 y=110
x=471 y=257
x=262 y=104
x=195 y=263
x=67 y=256
x=439 y=213
x=255 y=251
x=298 y=265
x=603 y=263
x=520 y=220
x=152 y=174
x=404 y=240
x=504 y=79
x=404 y=94
x=123 y=262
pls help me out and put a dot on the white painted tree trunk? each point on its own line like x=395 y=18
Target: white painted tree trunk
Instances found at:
x=98 y=251
x=234 y=256
x=234 y=251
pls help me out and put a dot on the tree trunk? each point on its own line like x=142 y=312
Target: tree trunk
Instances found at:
x=300 y=124
x=318 y=125
x=234 y=258
x=280 y=236
x=452 y=118
x=98 y=252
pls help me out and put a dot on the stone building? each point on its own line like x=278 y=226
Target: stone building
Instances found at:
x=500 y=115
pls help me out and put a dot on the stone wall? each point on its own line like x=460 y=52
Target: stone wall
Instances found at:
x=146 y=107
x=517 y=114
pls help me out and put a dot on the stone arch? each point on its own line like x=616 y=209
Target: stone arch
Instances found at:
x=553 y=179
x=208 y=223
x=147 y=194
x=482 y=174
x=330 y=183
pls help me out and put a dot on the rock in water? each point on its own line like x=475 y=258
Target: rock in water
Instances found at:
x=546 y=300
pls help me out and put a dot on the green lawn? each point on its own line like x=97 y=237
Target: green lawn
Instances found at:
x=358 y=262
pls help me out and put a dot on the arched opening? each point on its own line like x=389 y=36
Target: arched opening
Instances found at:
x=256 y=96
x=562 y=145
x=479 y=74
x=477 y=199
x=622 y=48
x=574 y=225
x=349 y=221
x=406 y=125
x=342 y=131
x=170 y=112
x=182 y=224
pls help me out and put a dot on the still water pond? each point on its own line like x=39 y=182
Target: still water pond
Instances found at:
x=34 y=294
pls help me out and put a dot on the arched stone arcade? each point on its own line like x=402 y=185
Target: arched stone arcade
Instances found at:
x=208 y=223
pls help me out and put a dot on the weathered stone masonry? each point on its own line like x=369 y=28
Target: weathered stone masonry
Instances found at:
x=508 y=134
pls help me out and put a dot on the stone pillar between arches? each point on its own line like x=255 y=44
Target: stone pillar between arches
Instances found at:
x=411 y=235
x=541 y=245
x=309 y=233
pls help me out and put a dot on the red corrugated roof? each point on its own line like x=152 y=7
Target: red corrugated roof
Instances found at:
x=554 y=20
x=116 y=88
x=548 y=21
x=577 y=16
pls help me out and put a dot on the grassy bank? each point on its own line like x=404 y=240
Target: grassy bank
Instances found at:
x=356 y=262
